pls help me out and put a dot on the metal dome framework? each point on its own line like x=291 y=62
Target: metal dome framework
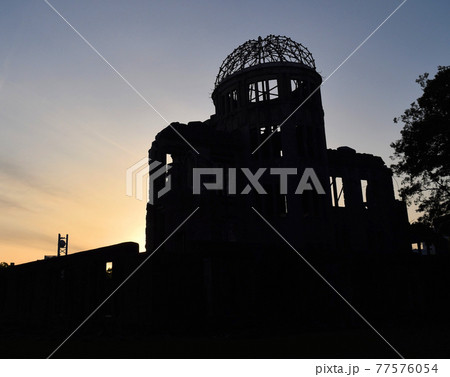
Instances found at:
x=272 y=49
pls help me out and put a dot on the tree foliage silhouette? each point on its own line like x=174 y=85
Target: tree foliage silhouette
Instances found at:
x=423 y=152
x=4 y=265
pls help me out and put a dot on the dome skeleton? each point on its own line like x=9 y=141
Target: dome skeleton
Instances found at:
x=272 y=49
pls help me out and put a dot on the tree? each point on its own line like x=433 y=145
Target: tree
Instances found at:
x=3 y=265
x=423 y=152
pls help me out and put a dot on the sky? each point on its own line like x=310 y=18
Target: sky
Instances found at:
x=70 y=126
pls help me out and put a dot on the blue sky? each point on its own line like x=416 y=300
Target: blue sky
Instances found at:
x=70 y=127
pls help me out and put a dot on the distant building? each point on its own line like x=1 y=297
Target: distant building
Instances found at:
x=259 y=87
x=60 y=291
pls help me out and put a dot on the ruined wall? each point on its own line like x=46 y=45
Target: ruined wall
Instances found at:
x=367 y=217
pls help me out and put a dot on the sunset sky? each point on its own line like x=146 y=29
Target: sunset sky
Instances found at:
x=70 y=126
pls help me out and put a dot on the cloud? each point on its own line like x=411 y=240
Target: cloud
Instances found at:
x=14 y=174
x=7 y=203
x=14 y=235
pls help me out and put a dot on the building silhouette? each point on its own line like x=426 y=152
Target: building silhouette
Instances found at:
x=225 y=273
x=257 y=94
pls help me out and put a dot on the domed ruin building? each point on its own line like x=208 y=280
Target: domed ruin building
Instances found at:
x=269 y=115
